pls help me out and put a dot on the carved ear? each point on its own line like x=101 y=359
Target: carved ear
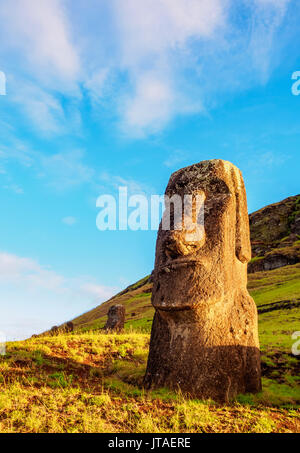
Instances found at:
x=242 y=236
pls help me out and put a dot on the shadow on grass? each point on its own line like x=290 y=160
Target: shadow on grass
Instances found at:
x=124 y=376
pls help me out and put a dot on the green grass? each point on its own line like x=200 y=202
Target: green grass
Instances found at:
x=274 y=286
x=256 y=258
x=265 y=287
x=89 y=381
x=277 y=327
x=92 y=382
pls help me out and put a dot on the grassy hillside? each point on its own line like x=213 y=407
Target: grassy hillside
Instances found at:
x=88 y=381
x=276 y=285
x=275 y=240
x=274 y=223
x=137 y=301
x=92 y=382
x=270 y=287
x=275 y=235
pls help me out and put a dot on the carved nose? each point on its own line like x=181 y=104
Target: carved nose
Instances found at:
x=175 y=244
x=182 y=242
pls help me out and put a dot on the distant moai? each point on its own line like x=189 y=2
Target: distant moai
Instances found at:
x=54 y=331
x=204 y=338
x=68 y=327
x=116 y=318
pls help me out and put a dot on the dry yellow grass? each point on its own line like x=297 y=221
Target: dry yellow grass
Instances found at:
x=92 y=383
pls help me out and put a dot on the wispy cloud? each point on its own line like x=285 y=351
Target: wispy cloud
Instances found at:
x=173 y=51
x=40 y=31
x=59 y=171
x=154 y=37
x=162 y=57
x=14 y=188
x=153 y=27
x=41 y=106
x=114 y=182
x=70 y=221
x=36 y=39
x=64 y=170
x=175 y=158
x=267 y=18
x=26 y=283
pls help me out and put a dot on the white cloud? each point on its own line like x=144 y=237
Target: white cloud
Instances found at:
x=95 y=84
x=181 y=55
x=97 y=292
x=64 y=170
x=42 y=63
x=145 y=60
x=28 y=273
x=153 y=35
x=60 y=171
x=70 y=221
x=280 y=4
x=134 y=187
x=41 y=107
x=151 y=106
x=41 y=32
x=14 y=188
x=175 y=158
x=151 y=27
x=267 y=18
x=42 y=293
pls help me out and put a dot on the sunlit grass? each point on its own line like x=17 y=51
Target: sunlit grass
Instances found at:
x=93 y=383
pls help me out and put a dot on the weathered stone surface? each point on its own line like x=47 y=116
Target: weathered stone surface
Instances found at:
x=116 y=318
x=54 y=331
x=68 y=327
x=275 y=233
x=274 y=261
x=204 y=337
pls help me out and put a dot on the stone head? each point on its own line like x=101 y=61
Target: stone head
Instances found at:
x=192 y=270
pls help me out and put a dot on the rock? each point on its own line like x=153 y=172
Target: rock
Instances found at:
x=151 y=277
x=275 y=231
x=68 y=327
x=54 y=330
x=204 y=338
x=273 y=261
x=116 y=318
x=297 y=225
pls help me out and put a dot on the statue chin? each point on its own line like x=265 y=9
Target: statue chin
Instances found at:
x=175 y=290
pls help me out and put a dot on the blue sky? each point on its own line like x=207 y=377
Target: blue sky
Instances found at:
x=102 y=94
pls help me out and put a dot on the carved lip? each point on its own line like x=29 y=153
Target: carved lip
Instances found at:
x=168 y=308
x=176 y=264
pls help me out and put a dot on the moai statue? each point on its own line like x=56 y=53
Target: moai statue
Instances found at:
x=204 y=338
x=54 y=331
x=68 y=327
x=116 y=318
